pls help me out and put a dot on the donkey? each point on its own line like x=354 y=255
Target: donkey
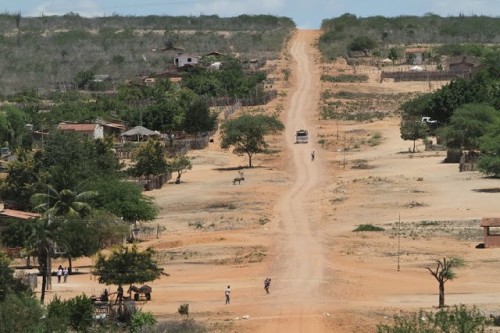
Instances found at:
x=239 y=179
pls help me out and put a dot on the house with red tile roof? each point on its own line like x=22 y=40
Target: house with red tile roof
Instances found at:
x=92 y=131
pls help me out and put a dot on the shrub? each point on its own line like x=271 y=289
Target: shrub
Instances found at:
x=183 y=310
x=20 y=313
x=81 y=311
x=345 y=78
x=458 y=319
x=142 y=322
x=368 y=227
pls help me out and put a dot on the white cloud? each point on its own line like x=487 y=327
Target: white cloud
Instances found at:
x=88 y=8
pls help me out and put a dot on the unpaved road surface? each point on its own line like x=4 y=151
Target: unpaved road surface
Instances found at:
x=300 y=266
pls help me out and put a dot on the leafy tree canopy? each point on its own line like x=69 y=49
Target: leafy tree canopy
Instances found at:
x=25 y=177
x=467 y=125
x=247 y=133
x=123 y=199
x=413 y=129
x=127 y=266
x=180 y=164
x=150 y=159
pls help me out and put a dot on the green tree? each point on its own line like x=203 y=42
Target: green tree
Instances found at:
x=150 y=159
x=9 y=284
x=489 y=160
x=123 y=199
x=71 y=159
x=179 y=164
x=362 y=43
x=13 y=127
x=413 y=129
x=444 y=271
x=127 y=266
x=43 y=239
x=247 y=133
x=24 y=178
x=394 y=54
x=198 y=118
x=20 y=313
x=467 y=125
x=15 y=234
x=83 y=77
x=76 y=313
x=63 y=203
x=81 y=313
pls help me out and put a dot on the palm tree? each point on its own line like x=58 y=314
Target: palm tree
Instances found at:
x=42 y=239
x=63 y=203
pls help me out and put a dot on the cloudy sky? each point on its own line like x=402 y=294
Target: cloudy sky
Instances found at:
x=305 y=13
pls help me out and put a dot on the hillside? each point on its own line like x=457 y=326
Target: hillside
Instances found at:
x=44 y=52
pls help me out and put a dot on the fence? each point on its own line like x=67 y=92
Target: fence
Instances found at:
x=422 y=76
x=147 y=232
x=156 y=181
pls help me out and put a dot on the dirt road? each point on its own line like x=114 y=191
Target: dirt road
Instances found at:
x=299 y=268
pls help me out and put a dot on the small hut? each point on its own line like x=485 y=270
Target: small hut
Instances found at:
x=139 y=133
x=491 y=231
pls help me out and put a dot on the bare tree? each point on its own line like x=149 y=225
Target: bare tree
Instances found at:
x=444 y=271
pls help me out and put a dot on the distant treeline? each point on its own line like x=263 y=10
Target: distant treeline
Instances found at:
x=387 y=32
x=38 y=52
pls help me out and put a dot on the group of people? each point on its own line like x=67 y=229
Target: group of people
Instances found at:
x=119 y=295
x=62 y=273
x=267 y=284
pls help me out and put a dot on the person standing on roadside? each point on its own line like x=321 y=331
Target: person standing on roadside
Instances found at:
x=267 y=284
x=65 y=274
x=228 y=295
x=59 y=274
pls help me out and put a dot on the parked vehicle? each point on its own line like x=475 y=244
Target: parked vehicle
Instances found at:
x=301 y=136
x=433 y=124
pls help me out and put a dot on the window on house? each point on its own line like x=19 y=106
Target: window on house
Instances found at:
x=494 y=231
x=188 y=59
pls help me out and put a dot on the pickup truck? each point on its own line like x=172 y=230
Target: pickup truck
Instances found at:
x=428 y=120
x=301 y=136
x=433 y=124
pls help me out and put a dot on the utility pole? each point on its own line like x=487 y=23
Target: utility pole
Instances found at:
x=344 y=148
x=399 y=238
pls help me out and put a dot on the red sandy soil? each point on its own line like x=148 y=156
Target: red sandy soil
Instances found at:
x=292 y=219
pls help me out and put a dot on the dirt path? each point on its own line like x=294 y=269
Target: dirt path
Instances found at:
x=299 y=269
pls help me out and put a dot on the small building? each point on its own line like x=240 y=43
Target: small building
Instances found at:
x=415 y=55
x=139 y=133
x=186 y=59
x=111 y=129
x=93 y=131
x=463 y=65
x=491 y=231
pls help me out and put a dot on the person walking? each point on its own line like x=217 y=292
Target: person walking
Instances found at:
x=65 y=274
x=267 y=284
x=228 y=295
x=59 y=274
x=313 y=155
x=119 y=295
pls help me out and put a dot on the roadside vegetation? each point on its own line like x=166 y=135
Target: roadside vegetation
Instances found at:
x=387 y=37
